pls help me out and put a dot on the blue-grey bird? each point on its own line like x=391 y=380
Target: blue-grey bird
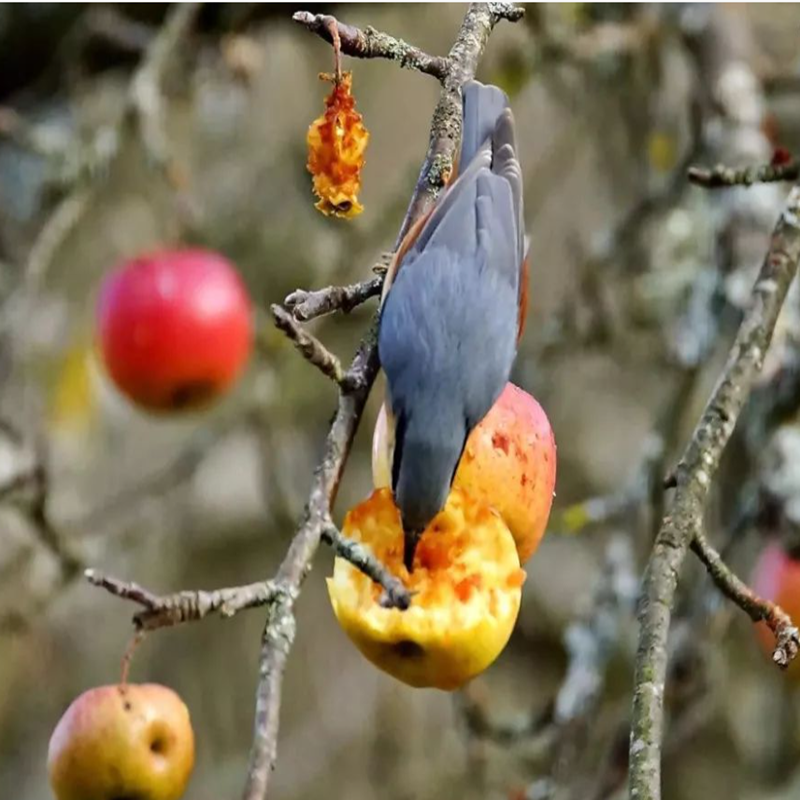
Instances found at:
x=452 y=313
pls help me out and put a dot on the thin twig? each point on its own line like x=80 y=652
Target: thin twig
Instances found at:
x=113 y=26
x=721 y=176
x=787 y=639
x=590 y=642
x=186 y=606
x=693 y=476
x=395 y=594
x=311 y=348
x=146 y=100
x=370 y=43
x=306 y=306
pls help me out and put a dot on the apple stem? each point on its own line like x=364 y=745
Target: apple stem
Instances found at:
x=135 y=641
x=333 y=29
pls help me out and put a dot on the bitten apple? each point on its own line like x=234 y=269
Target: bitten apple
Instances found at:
x=465 y=586
x=124 y=741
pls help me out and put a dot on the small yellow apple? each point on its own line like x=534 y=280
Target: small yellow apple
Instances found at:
x=123 y=741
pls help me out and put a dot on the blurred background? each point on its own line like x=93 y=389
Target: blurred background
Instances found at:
x=637 y=284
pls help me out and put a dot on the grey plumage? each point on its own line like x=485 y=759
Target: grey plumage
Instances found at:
x=448 y=330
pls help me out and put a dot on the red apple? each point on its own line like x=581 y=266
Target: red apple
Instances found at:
x=776 y=577
x=509 y=463
x=131 y=741
x=175 y=328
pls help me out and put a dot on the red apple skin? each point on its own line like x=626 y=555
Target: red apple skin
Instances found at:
x=776 y=577
x=510 y=461
x=174 y=328
x=116 y=742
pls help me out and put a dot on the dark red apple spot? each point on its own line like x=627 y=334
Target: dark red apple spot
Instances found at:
x=524 y=480
x=500 y=442
x=192 y=394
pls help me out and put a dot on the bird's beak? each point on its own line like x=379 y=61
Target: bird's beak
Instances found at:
x=410 y=541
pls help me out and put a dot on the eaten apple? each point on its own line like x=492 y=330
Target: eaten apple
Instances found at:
x=465 y=586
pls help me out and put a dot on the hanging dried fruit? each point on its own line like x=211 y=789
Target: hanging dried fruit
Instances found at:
x=336 y=144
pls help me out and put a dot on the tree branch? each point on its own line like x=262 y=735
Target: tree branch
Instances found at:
x=306 y=306
x=395 y=594
x=721 y=176
x=309 y=346
x=787 y=638
x=187 y=606
x=146 y=100
x=683 y=519
x=373 y=44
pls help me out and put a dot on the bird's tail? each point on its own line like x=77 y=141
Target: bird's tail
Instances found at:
x=482 y=106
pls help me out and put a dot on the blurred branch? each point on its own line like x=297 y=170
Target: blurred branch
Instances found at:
x=145 y=97
x=370 y=43
x=721 y=176
x=590 y=642
x=306 y=306
x=787 y=639
x=70 y=563
x=56 y=229
x=683 y=519
x=602 y=509
x=113 y=26
x=160 y=481
x=82 y=164
x=29 y=136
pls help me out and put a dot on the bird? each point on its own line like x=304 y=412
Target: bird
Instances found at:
x=453 y=310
